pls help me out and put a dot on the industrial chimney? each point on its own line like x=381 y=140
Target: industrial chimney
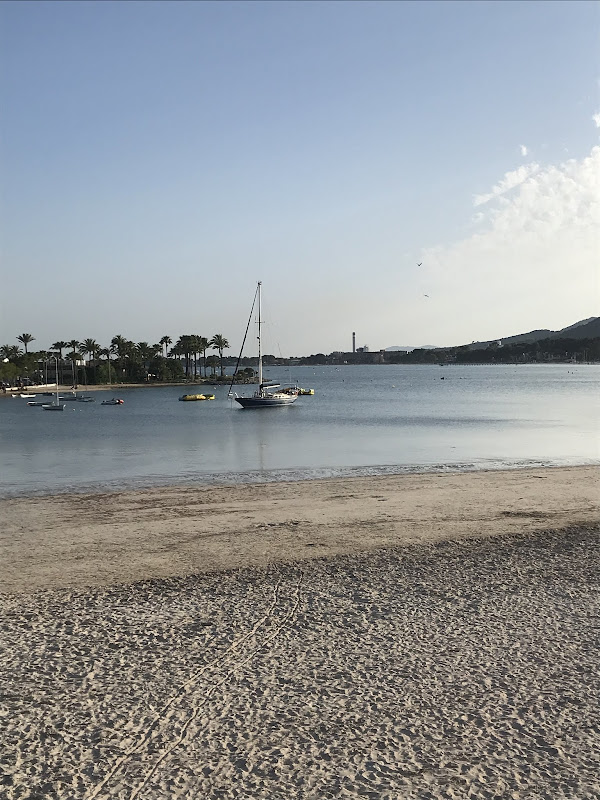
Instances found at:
x=353 y=342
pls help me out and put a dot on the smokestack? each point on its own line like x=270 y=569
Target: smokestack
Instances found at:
x=353 y=342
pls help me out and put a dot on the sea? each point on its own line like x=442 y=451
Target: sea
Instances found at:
x=361 y=420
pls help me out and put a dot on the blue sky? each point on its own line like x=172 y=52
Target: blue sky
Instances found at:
x=157 y=159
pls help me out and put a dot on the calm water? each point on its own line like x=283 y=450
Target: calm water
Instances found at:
x=361 y=421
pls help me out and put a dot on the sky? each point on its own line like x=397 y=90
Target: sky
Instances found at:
x=421 y=173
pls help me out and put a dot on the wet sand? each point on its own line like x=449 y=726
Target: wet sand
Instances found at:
x=401 y=637
x=120 y=537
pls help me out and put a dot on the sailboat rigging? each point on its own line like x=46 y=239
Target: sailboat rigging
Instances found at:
x=55 y=405
x=264 y=397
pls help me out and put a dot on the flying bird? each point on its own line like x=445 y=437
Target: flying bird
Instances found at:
x=425 y=295
x=420 y=265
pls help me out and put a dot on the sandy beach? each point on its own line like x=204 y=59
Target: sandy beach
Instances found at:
x=415 y=636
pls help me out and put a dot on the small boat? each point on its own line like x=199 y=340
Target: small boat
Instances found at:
x=264 y=397
x=85 y=399
x=26 y=395
x=34 y=403
x=76 y=397
x=55 y=405
x=116 y=401
x=297 y=390
x=197 y=397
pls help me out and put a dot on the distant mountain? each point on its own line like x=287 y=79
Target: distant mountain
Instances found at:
x=410 y=349
x=584 y=329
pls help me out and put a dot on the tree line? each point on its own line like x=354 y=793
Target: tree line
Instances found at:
x=542 y=351
x=562 y=349
x=122 y=361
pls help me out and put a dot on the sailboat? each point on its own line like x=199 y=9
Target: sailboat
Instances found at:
x=264 y=397
x=55 y=405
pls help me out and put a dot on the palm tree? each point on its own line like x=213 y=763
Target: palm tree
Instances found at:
x=202 y=348
x=59 y=347
x=220 y=343
x=25 y=339
x=184 y=347
x=105 y=351
x=73 y=357
x=212 y=362
x=126 y=352
x=146 y=353
x=118 y=345
x=165 y=342
x=90 y=346
x=195 y=345
x=10 y=351
x=176 y=351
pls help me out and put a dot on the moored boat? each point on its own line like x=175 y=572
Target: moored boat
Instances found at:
x=197 y=397
x=115 y=401
x=76 y=397
x=55 y=405
x=264 y=397
x=297 y=390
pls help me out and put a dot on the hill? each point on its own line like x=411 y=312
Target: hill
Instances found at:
x=584 y=329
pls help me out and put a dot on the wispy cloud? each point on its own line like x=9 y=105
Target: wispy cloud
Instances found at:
x=523 y=149
x=596 y=118
x=534 y=258
x=510 y=181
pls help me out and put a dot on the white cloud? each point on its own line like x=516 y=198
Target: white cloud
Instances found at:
x=596 y=118
x=523 y=149
x=510 y=181
x=534 y=262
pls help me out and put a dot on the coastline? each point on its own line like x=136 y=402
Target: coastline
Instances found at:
x=110 y=387
x=78 y=540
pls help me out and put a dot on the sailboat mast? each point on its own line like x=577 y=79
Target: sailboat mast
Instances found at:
x=260 y=369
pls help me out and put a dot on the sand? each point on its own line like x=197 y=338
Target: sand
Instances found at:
x=99 y=539
x=430 y=636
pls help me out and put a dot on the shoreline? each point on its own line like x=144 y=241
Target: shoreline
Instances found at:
x=390 y=637
x=117 y=537
x=108 y=387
